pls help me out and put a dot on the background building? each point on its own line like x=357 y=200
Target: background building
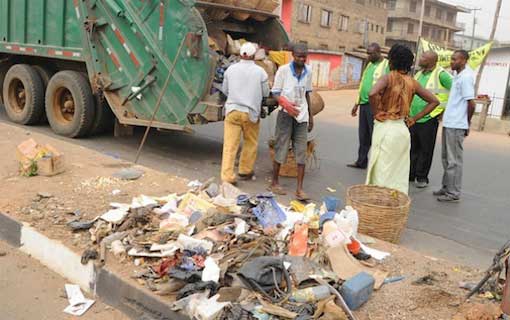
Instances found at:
x=495 y=82
x=439 y=22
x=332 y=29
x=464 y=42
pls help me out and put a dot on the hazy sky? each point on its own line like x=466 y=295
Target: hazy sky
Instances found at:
x=485 y=17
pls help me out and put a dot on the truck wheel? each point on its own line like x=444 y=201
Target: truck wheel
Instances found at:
x=70 y=104
x=45 y=75
x=23 y=94
x=103 y=121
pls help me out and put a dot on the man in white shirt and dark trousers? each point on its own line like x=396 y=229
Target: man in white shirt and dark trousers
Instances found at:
x=245 y=84
x=292 y=87
x=456 y=123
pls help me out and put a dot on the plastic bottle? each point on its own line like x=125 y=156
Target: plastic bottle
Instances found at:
x=311 y=294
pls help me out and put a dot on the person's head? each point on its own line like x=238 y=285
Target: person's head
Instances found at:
x=459 y=60
x=401 y=58
x=374 y=52
x=248 y=51
x=428 y=60
x=300 y=54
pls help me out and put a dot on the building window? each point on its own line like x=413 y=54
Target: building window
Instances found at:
x=450 y=16
x=412 y=6
x=343 y=24
x=326 y=18
x=410 y=28
x=427 y=10
x=382 y=30
x=392 y=4
x=425 y=31
x=303 y=42
x=389 y=26
x=439 y=34
x=323 y=46
x=377 y=28
x=371 y=27
x=439 y=14
x=305 y=13
x=361 y=2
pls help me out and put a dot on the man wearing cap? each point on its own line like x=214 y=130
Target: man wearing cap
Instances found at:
x=245 y=84
x=292 y=87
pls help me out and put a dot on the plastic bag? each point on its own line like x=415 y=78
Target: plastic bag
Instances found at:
x=268 y=212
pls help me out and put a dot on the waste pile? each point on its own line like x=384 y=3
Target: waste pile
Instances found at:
x=219 y=253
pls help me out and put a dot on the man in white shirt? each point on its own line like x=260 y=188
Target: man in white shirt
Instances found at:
x=456 y=123
x=245 y=84
x=292 y=87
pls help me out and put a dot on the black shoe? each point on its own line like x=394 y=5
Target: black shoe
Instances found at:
x=440 y=192
x=447 y=198
x=355 y=165
x=245 y=177
x=421 y=184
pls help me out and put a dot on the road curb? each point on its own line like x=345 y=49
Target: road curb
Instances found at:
x=100 y=282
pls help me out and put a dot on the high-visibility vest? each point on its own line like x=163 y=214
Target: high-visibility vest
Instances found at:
x=379 y=71
x=435 y=86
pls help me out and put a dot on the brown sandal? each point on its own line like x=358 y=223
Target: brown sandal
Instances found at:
x=277 y=190
x=302 y=196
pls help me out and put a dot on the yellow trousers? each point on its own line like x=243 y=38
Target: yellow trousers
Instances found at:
x=237 y=123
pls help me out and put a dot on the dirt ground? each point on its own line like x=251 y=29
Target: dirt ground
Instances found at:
x=87 y=187
x=25 y=283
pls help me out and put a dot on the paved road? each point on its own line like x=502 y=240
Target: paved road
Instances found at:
x=30 y=291
x=467 y=232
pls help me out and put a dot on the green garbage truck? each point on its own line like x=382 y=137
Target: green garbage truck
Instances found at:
x=79 y=63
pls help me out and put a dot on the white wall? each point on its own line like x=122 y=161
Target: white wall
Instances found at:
x=494 y=79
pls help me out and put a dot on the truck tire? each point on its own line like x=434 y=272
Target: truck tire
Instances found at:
x=23 y=94
x=45 y=75
x=70 y=106
x=103 y=121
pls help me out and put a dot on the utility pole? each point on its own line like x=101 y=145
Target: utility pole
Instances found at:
x=420 y=32
x=474 y=26
x=483 y=114
x=422 y=13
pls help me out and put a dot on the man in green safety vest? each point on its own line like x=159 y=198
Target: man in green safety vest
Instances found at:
x=376 y=68
x=423 y=134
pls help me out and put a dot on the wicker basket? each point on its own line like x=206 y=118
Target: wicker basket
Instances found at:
x=383 y=212
x=289 y=168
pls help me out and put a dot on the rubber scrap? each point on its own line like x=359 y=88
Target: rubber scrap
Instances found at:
x=298 y=245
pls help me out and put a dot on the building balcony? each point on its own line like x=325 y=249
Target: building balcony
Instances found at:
x=415 y=16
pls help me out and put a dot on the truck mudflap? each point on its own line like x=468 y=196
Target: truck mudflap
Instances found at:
x=132 y=48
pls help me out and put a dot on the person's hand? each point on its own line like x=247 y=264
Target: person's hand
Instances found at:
x=288 y=106
x=466 y=133
x=354 y=111
x=410 y=122
x=310 y=124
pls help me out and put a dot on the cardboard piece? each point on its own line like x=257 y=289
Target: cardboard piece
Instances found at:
x=35 y=159
x=346 y=266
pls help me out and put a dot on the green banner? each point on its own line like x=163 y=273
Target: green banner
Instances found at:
x=476 y=56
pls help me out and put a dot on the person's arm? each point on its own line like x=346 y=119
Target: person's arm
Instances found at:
x=290 y=107
x=309 y=88
x=468 y=93
x=446 y=79
x=432 y=103
x=265 y=84
x=224 y=87
x=375 y=94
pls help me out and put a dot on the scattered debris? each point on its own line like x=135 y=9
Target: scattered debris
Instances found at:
x=131 y=173
x=78 y=304
x=3 y=253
